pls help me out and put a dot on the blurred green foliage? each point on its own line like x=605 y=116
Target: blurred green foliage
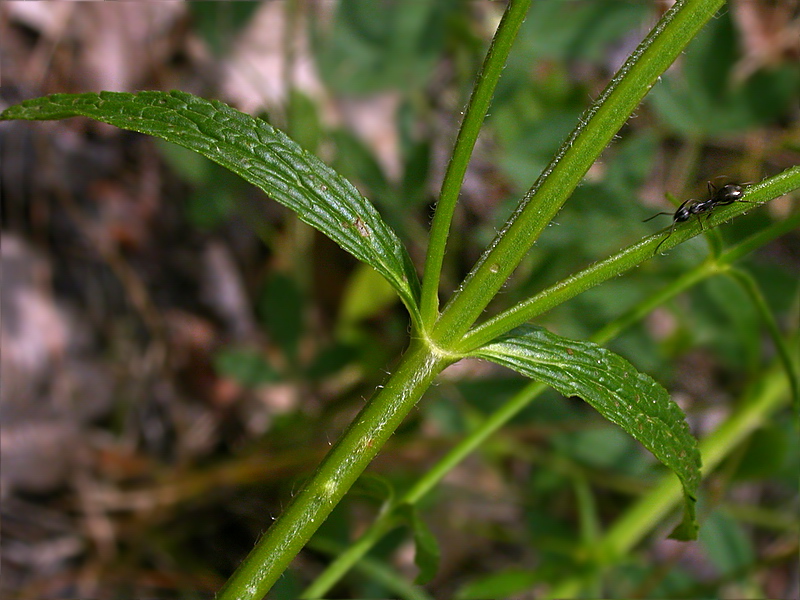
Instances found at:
x=218 y=23
x=707 y=98
x=373 y=46
x=280 y=308
x=247 y=367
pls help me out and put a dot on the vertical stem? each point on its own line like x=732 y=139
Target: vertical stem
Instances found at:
x=465 y=143
x=338 y=471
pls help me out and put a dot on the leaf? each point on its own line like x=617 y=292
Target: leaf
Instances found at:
x=513 y=582
x=373 y=46
x=427 y=554
x=365 y=295
x=281 y=308
x=727 y=544
x=376 y=487
x=701 y=99
x=219 y=23
x=246 y=366
x=619 y=392
x=260 y=154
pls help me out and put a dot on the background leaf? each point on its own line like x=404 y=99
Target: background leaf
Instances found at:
x=281 y=310
x=427 y=555
x=259 y=153
x=705 y=97
x=619 y=392
x=373 y=46
x=365 y=296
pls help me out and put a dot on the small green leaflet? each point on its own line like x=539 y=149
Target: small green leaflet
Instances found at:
x=259 y=153
x=428 y=554
x=619 y=392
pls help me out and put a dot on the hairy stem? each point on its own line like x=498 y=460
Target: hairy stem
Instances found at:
x=465 y=143
x=340 y=468
x=594 y=132
x=348 y=558
x=623 y=261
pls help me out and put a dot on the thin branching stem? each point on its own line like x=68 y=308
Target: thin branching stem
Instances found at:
x=465 y=143
x=596 y=129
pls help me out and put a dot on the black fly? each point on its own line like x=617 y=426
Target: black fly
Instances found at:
x=727 y=194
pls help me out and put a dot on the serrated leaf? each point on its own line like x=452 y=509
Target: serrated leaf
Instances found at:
x=619 y=392
x=427 y=555
x=259 y=153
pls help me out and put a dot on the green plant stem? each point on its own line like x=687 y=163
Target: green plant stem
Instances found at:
x=624 y=260
x=338 y=471
x=388 y=520
x=498 y=419
x=596 y=129
x=763 y=398
x=751 y=288
x=782 y=183
x=385 y=522
x=348 y=558
x=465 y=143
x=376 y=571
